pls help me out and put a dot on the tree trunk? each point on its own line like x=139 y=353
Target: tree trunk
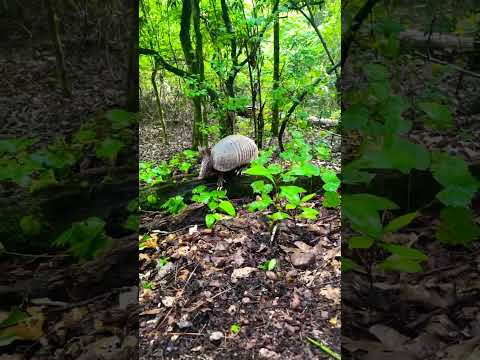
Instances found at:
x=200 y=121
x=159 y=104
x=229 y=120
x=276 y=70
x=133 y=104
x=55 y=33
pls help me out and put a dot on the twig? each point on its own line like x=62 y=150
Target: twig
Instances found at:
x=274 y=232
x=217 y=295
x=456 y=67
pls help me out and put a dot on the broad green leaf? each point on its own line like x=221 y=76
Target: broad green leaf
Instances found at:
x=260 y=187
x=438 y=116
x=405 y=252
x=259 y=170
x=360 y=242
x=307 y=197
x=309 y=213
x=401 y=221
x=119 y=118
x=211 y=219
x=109 y=148
x=227 y=207
x=152 y=199
x=30 y=225
x=261 y=204
x=348 y=265
x=457 y=195
x=376 y=72
x=457 y=227
x=401 y=264
x=7 y=339
x=278 y=216
x=355 y=117
x=331 y=199
x=362 y=211
x=14 y=317
x=45 y=180
x=132 y=223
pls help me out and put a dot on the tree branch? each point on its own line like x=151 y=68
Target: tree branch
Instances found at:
x=161 y=61
x=356 y=24
x=296 y=102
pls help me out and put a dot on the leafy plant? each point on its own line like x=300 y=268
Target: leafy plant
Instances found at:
x=174 y=205
x=216 y=200
x=362 y=211
x=85 y=239
x=268 y=265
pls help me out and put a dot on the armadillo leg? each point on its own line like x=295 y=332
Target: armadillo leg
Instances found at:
x=220 y=181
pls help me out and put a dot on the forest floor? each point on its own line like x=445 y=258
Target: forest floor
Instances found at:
x=205 y=297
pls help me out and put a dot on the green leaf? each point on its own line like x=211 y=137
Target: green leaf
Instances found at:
x=306 y=169
x=261 y=204
x=348 y=265
x=227 y=207
x=457 y=196
x=85 y=239
x=438 y=116
x=211 y=219
x=323 y=152
x=132 y=223
x=46 y=179
x=199 y=189
x=119 y=118
x=457 y=227
x=260 y=187
x=405 y=252
x=362 y=211
x=7 y=339
x=307 y=197
x=30 y=225
x=132 y=205
x=324 y=348
x=329 y=177
x=152 y=199
x=278 y=216
x=331 y=199
x=401 y=264
x=401 y=221
x=235 y=328
x=259 y=170
x=14 y=317
x=451 y=170
x=309 y=213
x=355 y=117
x=268 y=265
x=109 y=148
x=360 y=242
x=14 y=146
x=376 y=72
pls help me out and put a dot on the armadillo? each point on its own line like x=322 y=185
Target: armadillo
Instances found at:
x=229 y=153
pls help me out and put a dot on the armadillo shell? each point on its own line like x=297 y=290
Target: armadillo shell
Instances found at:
x=233 y=151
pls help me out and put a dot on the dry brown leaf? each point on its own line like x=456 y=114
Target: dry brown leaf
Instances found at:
x=29 y=329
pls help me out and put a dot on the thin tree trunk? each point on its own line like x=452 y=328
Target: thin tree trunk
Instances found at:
x=133 y=104
x=276 y=70
x=55 y=33
x=159 y=104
